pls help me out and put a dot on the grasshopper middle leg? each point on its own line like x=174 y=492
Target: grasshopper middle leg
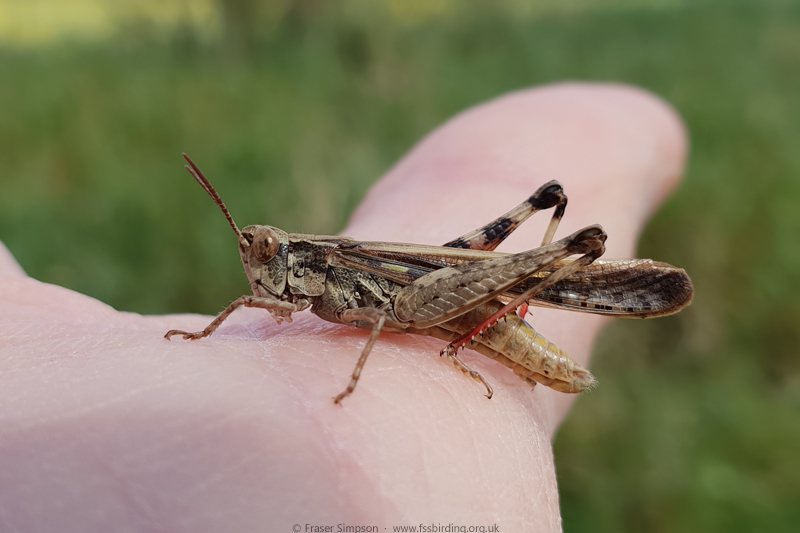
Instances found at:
x=367 y=314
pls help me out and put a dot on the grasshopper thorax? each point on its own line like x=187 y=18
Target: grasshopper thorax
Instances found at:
x=265 y=259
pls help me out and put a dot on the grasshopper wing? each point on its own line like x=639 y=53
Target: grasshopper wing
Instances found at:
x=636 y=288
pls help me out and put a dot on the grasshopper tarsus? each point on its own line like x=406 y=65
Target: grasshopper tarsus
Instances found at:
x=457 y=291
x=452 y=355
x=186 y=335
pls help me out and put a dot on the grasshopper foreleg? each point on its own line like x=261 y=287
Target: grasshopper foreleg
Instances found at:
x=488 y=237
x=279 y=309
x=367 y=314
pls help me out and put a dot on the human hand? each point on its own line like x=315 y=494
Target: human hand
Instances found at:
x=106 y=426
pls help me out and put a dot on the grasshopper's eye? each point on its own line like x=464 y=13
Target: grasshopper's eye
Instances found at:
x=265 y=243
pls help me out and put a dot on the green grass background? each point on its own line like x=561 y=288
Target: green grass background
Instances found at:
x=697 y=424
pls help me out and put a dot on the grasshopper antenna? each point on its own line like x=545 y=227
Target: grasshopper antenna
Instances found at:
x=197 y=174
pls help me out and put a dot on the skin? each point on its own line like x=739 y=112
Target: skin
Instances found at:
x=104 y=425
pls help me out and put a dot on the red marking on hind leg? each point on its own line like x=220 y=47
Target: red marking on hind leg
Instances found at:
x=493 y=319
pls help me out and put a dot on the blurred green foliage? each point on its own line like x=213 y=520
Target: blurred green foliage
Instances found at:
x=696 y=426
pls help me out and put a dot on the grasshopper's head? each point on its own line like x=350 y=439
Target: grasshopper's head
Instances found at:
x=264 y=250
x=264 y=258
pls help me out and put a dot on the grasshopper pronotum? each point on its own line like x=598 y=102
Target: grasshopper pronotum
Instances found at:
x=462 y=292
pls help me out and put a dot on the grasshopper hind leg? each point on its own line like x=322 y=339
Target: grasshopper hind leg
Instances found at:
x=488 y=237
x=367 y=314
x=453 y=356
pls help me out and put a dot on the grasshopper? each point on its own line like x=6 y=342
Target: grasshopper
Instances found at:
x=464 y=292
